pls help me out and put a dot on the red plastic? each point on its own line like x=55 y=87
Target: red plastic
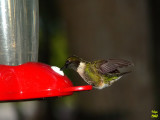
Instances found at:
x=34 y=80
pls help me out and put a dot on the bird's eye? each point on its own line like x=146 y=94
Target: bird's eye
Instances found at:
x=67 y=62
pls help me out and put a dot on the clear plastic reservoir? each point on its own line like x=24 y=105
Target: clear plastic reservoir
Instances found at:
x=19 y=31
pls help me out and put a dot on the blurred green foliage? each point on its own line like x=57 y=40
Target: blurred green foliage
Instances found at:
x=59 y=49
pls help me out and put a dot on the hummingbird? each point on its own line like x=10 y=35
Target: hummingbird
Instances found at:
x=99 y=73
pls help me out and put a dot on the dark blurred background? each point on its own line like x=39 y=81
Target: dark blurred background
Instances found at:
x=101 y=29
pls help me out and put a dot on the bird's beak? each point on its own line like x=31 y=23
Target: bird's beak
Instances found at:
x=62 y=68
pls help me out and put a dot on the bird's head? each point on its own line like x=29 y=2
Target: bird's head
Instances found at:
x=72 y=63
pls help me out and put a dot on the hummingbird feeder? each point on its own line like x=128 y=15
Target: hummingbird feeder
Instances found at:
x=21 y=76
x=34 y=80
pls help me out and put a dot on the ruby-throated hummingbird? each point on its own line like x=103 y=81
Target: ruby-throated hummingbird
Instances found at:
x=100 y=73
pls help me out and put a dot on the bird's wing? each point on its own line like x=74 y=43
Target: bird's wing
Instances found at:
x=111 y=65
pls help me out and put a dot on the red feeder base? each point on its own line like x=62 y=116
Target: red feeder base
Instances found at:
x=34 y=80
